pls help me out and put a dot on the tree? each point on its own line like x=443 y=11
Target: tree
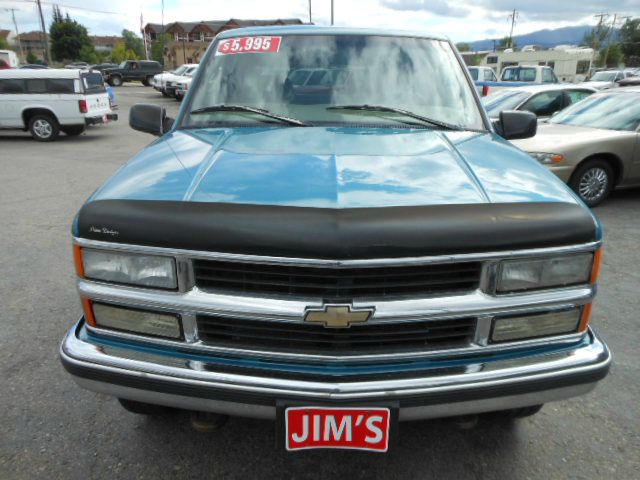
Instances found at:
x=463 y=47
x=120 y=53
x=4 y=45
x=88 y=54
x=157 y=47
x=67 y=37
x=134 y=43
x=505 y=42
x=598 y=35
x=32 y=57
x=613 y=54
x=630 y=41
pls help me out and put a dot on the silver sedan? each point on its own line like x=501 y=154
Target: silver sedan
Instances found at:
x=594 y=145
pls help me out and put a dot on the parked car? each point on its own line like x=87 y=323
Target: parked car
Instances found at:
x=34 y=66
x=541 y=100
x=171 y=83
x=483 y=74
x=605 y=79
x=8 y=59
x=593 y=145
x=182 y=87
x=518 y=76
x=47 y=102
x=101 y=67
x=380 y=255
x=77 y=65
x=629 y=81
x=132 y=71
x=160 y=80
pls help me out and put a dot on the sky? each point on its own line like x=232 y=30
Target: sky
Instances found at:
x=457 y=19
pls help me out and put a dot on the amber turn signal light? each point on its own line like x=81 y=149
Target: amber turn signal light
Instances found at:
x=88 y=311
x=595 y=268
x=77 y=260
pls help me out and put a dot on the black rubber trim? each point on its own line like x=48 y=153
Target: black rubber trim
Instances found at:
x=215 y=393
x=358 y=233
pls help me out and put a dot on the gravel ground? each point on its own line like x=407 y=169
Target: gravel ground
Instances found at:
x=52 y=429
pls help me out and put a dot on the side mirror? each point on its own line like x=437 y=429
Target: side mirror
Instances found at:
x=514 y=125
x=149 y=118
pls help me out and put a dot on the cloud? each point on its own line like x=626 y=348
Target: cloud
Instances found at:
x=566 y=10
x=442 y=8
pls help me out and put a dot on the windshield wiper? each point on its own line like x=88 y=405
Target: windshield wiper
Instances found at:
x=244 y=108
x=406 y=113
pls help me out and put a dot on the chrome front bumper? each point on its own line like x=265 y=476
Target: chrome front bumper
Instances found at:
x=478 y=385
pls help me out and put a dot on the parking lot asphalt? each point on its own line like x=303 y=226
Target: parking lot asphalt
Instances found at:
x=49 y=428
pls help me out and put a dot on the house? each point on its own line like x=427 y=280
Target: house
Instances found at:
x=189 y=40
x=105 y=43
x=33 y=42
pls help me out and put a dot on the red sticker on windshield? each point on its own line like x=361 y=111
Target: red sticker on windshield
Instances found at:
x=248 y=45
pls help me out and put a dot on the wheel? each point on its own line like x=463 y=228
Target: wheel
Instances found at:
x=147 y=81
x=43 y=127
x=164 y=94
x=74 y=130
x=115 y=81
x=142 y=408
x=593 y=181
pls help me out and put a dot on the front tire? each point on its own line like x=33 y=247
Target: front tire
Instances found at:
x=44 y=128
x=593 y=181
x=147 y=81
x=74 y=130
x=115 y=81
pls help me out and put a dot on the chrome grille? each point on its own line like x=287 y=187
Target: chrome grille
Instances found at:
x=336 y=283
x=301 y=338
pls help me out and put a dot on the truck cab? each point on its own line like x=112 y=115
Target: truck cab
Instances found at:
x=132 y=70
x=334 y=259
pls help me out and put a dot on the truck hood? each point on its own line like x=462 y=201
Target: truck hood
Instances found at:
x=331 y=167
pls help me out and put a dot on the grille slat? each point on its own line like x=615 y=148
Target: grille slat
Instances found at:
x=338 y=283
x=300 y=337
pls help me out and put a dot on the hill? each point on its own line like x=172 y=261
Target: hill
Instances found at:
x=544 y=38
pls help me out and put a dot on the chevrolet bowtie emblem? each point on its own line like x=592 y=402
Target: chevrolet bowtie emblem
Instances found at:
x=337 y=316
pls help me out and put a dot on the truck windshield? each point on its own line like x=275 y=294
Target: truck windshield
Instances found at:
x=302 y=76
x=519 y=74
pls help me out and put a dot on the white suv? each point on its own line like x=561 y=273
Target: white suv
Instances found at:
x=49 y=101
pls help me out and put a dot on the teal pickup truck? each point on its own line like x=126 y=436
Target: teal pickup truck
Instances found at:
x=334 y=236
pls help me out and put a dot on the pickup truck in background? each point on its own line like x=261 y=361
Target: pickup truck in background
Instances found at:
x=517 y=76
x=132 y=71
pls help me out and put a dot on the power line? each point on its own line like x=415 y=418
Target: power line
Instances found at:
x=70 y=7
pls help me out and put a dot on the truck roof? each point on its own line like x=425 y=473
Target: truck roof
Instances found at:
x=318 y=30
x=40 y=73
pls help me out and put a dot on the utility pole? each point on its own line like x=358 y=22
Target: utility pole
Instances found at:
x=606 y=52
x=513 y=17
x=15 y=24
x=310 y=20
x=331 y=12
x=47 y=58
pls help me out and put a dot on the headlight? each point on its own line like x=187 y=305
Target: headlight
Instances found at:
x=128 y=268
x=542 y=273
x=547 y=158
x=532 y=326
x=136 y=321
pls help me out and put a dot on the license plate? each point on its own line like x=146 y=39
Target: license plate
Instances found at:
x=344 y=428
x=105 y=119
